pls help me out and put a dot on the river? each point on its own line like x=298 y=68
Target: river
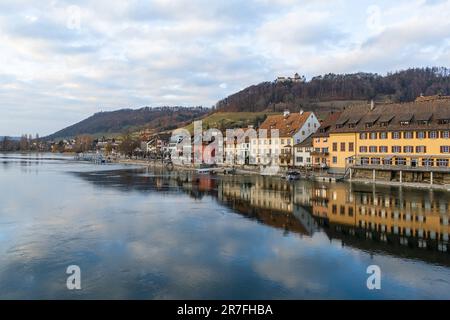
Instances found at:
x=143 y=233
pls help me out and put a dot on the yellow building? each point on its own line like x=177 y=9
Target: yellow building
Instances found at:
x=408 y=136
x=321 y=143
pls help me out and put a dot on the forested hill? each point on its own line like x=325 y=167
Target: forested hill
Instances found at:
x=114 y=122
x=396 y=87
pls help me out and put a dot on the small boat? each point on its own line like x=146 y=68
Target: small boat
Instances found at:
x=206 y=171
x=292 y=175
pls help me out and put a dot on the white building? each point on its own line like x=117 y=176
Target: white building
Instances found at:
x=237 y=151
x=283 y=132
x=302 y=153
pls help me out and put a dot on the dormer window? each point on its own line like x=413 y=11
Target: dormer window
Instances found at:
x=423 y=118
x=405 y=119
x=341 y=122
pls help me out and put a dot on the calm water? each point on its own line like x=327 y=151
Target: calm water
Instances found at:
x=144 y=234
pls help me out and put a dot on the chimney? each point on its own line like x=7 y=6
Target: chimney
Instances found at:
x=372 y=105
x=301 y=111
x=286 y=113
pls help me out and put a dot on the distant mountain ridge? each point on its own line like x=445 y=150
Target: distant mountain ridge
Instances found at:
x=115 y=122
x=11 y=138
x=337 y=90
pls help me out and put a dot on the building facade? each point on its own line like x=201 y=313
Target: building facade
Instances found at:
x=302 y=153
x=409 y=136
x=283 y=132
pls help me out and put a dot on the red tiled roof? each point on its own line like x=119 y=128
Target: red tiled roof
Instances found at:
x=287 y=126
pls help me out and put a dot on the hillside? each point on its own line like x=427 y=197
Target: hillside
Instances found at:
x=230 y=120
x=332 y=91
x=115 y=122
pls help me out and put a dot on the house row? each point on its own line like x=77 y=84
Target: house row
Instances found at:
x=414 y=134
x=386 y=137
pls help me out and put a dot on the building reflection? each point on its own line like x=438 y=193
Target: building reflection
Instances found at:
x=406 y=223
x=402 y=222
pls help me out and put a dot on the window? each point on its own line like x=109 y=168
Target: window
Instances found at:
x=445 y=149
x=373 y=135
x=364 y=161
x=383 y=149
x=408 y=149
x=363 y=149
x=400 y=161
x=420 y=135
x=334 y=209
x=432 y=134
x=334 y=146
x=375 y=161
x=342 y=146
x=395 y=135
x=308 y=160
x=383 y=135
x=421 y=149
x=351 y=147
x=373 y=149
x=408 y=135
x=363 y=136
x=396 y=149
x=299 y=159
x=444 y=121
x=387 y=162
x=282 y=141
x=334 y=159
x=442 y=162
x=427 y=162
x=445 y=134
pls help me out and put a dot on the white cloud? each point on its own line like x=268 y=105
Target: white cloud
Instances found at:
x=134 y=53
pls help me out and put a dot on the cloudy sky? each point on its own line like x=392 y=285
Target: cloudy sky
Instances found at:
x=61 y=61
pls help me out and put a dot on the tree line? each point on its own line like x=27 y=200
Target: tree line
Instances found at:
x=401 y=86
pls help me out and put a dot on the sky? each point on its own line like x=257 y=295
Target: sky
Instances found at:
x=61 y=61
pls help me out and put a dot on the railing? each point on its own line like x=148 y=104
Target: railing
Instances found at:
x=400 y=167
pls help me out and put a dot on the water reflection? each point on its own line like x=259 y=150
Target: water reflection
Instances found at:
x=403 y=222
x=147 y=234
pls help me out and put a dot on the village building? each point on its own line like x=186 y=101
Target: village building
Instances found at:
x=237 y=150
x=157 y=143
x=302 y=153
x=404 y=142
x=282 y=133
x=320 y=140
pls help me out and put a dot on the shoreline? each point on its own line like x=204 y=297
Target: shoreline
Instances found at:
x=319 y=178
